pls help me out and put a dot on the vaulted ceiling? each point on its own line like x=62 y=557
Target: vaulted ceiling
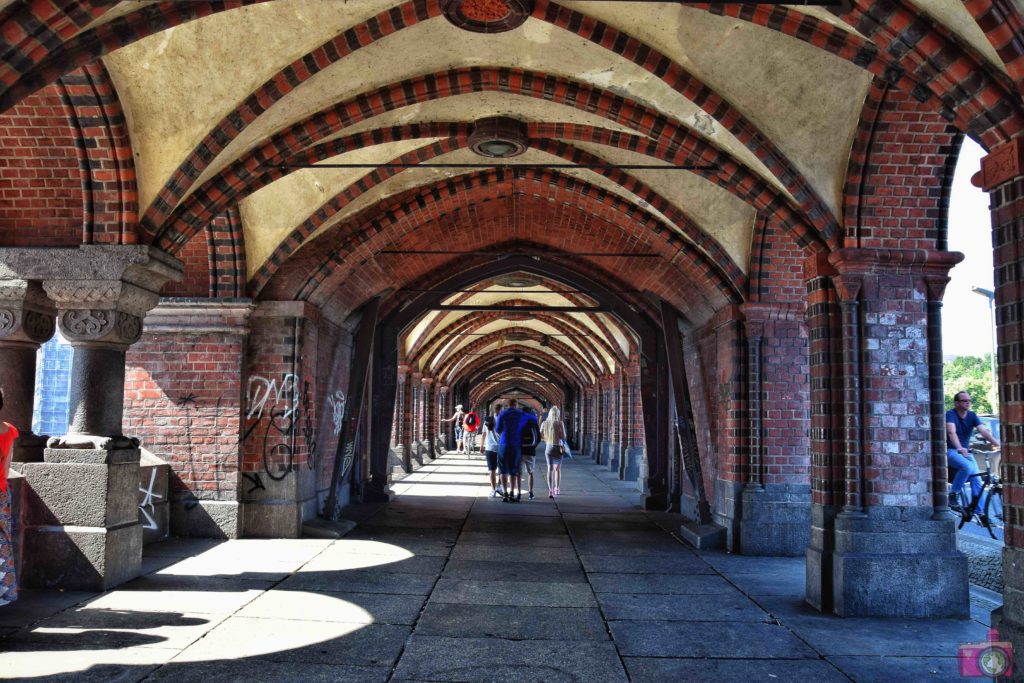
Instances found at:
x=652 y=139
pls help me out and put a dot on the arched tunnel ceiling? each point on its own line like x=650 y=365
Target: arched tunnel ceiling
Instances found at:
x=244 y=102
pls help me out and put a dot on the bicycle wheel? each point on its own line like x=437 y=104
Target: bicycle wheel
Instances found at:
x=993 y=511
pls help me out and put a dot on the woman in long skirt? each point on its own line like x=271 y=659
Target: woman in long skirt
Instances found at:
x=8 y=580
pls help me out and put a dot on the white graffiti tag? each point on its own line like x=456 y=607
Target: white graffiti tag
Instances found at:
x=337 y=403
x=147 y=506
x=262 y=391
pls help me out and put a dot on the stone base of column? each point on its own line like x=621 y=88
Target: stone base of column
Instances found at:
x=399 y=462
x=726 y=511
x=276 y=508
x=819 y=556
x=29 y=448
x=775 y=520
x=194 y=518
x=610 y=453
x=634 y=458
x=898 y=562
x=82 y=530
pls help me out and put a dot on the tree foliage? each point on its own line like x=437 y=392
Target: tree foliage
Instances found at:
x=972 y=374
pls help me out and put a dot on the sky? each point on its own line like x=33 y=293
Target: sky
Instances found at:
x=966 y=325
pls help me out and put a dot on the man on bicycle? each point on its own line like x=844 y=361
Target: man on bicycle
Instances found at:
x=960 y=422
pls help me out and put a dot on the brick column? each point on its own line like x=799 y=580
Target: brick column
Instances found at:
x=1002 y=176
x=635 y=469
x=895 y=554
x=189 y=404
x=401 y=429
x=415 y=413
x=776 y=508
x=825 y=353
x=26 y=322
x=429 y=419
x=101 y=295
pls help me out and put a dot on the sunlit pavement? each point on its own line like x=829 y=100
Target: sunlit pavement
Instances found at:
x=448 y=584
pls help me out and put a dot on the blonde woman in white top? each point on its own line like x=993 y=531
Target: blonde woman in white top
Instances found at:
x=553 y=432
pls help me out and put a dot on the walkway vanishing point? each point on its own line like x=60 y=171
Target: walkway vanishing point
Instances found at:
x=447 y=584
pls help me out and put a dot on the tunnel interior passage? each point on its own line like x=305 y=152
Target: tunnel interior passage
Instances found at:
x=713 y=234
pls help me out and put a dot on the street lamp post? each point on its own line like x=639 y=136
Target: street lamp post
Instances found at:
x=991 y=296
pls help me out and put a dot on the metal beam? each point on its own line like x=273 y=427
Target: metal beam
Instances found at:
x=519 y=309
x=506 y=254
x=361 y=357
x=512 y=167
x=685 y=431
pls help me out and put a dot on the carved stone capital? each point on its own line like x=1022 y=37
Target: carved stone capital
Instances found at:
x=25 y=314
x=100 y=325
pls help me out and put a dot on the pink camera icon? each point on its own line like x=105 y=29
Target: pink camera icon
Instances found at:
x=990 y=659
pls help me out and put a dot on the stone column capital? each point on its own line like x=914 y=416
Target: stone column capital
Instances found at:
x=26 y=316
x=427 y=381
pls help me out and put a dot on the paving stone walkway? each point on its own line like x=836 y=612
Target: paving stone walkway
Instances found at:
x=448 y=584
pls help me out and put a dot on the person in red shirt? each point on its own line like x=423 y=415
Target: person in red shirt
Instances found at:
x=8 y=579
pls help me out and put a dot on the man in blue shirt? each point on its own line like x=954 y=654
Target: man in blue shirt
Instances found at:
x=960 y=422
x=509 y=427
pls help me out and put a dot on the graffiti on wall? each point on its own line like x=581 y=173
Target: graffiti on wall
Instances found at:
x=148 y=504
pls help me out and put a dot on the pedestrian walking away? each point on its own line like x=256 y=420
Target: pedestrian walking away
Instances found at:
x=528 y=442
x=489 y=444
x=470 y=426
x=8 y=579
x=553 y=433
x=510 y=427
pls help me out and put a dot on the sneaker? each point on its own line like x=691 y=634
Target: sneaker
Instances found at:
x=531 y=495
x=506 y=499
x=495 y=494
x=519 y=496
x=551 y=493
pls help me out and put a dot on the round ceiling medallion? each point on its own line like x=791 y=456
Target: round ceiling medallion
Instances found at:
x=498 y=138
x=488 y=16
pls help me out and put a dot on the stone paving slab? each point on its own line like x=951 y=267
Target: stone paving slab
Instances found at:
x=44 y=664
x=931 y=669
x=710 y=639
x=732 y=563
x=363 y=581
x=658 y=607
x=186 y=594
x=832 y=636
x=596 y=547
x=522 y=593
x=493 y=660
x=33 y=605
x=544 y=572
x=515 y=553
x=263 y=569
x=680 y=563
x=512 y=622
x=661 y=670
x=679 y=584
x=291 y=640
x=786 y=582
x=515 y=539
x=359 y=608
x=241 y=671
x=85 y=628
x=347 y=563
x=182 y=547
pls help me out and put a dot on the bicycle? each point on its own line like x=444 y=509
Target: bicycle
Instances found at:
x=991 y=514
